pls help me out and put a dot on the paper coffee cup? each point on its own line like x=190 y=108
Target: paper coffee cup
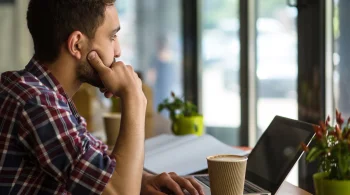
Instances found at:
x=227 y=174
x=112 y=126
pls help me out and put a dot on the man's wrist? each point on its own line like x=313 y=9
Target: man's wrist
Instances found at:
x=134 y=97
x=146 y=174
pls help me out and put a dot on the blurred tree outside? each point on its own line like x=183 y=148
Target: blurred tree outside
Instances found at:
x=216 y=10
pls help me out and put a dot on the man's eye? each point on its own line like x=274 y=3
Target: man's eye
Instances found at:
x=114 y=37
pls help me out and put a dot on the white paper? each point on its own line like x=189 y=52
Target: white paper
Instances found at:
x=164 y=142
x=186 y=155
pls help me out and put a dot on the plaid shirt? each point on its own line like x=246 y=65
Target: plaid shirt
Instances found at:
x=44 y=145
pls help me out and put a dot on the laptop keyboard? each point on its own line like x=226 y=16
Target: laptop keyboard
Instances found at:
x=203 y=179
x=247 y=188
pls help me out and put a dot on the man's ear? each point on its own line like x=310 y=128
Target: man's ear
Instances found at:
x=75 y=43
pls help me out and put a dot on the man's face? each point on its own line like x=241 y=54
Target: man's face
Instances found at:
x=105 y=44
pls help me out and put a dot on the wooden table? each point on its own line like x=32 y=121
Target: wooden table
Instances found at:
x=285 y=189
x=289 y=189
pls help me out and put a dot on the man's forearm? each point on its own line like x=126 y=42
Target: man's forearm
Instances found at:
x=129 y=148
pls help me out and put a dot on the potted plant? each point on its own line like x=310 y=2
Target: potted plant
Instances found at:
x=183 y=115
x=332 y=151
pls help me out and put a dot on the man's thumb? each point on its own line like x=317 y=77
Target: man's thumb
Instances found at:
x=96 y=62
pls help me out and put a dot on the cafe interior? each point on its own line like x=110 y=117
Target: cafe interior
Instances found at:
x=240 y=62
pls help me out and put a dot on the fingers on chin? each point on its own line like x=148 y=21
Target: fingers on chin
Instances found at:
x=108 y=95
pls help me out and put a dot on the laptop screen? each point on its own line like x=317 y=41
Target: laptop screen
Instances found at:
x=277 y=151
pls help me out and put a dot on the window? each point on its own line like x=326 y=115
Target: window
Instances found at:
x=341 y=57
x=151 y=41
x=220 y=69
x=277 y=66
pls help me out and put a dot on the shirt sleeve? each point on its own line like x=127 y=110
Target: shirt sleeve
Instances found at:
x=62 y=146
x=96 y=142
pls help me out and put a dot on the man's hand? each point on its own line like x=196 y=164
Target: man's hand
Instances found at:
x=119 y=79
x=171 y=183
x=107 y=93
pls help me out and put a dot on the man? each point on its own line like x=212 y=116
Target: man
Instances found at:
x=44 y=145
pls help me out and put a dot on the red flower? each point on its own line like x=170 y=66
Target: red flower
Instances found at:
x=318 y=131
x=304 y=147
x=334 y=133
x=338 y=131
x=316 y=128
x=339 y=118
x=327 y=121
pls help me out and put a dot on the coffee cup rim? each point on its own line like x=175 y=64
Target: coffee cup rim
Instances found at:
x=241 y=158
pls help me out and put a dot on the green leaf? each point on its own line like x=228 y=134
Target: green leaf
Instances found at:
x=178 y=107
x=314 y=154
x=160 y=107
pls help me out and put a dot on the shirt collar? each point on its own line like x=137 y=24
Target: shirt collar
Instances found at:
x=42 y=72
x=45 y=76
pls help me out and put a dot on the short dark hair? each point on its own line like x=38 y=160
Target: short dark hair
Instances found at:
x=50 y=23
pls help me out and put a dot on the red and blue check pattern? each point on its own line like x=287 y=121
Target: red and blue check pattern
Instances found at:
x=44 y=145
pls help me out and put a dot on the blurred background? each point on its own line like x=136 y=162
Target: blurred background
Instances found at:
x=241 y=61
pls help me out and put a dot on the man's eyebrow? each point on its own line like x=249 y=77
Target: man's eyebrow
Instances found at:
x=116 y=30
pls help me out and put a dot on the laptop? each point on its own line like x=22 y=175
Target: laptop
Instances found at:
x=275 y=154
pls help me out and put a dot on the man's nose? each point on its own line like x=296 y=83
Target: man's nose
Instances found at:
x=117 y=50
